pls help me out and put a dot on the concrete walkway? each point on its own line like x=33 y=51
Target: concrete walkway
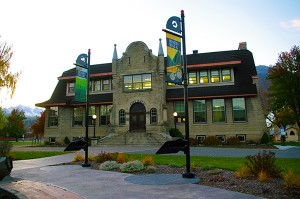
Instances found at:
x=36 y=179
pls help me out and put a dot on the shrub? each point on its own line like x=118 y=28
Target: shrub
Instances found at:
x=78 y=157
x=291 y=180
x=148 y=160
x=121 y=158
x=194 y=142
x=5 y=148
x=150 y=169
x=103 y=157
x=91 y=157
x=262 y=176
x=67 y=140
x=175 y=133
x=109 y=166
x=233 y=141
x=263 y=161
x=212 y=141
x=265 y=139
x=133 y=166
x=242 y=172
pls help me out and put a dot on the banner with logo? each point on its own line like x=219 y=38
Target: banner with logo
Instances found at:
x=81 y=84
x=174 y=65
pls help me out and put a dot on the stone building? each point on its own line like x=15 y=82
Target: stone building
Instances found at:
x=129 y=96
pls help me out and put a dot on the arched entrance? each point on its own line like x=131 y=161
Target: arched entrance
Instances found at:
x=137 y=117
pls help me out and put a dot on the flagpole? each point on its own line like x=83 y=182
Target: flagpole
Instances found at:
x=188 y=173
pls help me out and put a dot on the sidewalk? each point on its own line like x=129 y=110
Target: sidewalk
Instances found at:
x=36 y=179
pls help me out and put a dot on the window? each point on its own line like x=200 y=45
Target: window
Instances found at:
x=203 y=77
x=71 y=87
x=96 y=85
x=222 y=138
x=78 y=116
x=241 y=137
x=192 y=77
x=122 y=117
x=153 y=115
x=179 y=108
x=239 y=109
x=52 y=140
x=53 y=116
x=105 y=85
x=214 y=76
x=219 y=110
x=199 y=111
x=137 y=82
x=105 y=114
x=201 y=138
x=226 y=76
x=92 y=111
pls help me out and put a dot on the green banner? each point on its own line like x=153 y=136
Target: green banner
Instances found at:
x=174 y=66
x=81 y=84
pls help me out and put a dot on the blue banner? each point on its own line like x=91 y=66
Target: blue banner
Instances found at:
x=173 y=24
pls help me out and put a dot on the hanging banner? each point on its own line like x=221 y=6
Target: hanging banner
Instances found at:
x=174 y=67
x=173 y=24
x=81 y=78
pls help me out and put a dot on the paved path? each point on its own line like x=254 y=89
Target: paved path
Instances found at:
x=36 y=179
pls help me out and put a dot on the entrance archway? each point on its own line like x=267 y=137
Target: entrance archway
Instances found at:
x=137 y=118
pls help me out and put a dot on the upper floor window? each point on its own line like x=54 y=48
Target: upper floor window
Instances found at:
x=71 y=87
x=179 y=108
x=219 y=114
x=199 y=111
x=78 y=116
x=105 y=114
x=137 y=82
x=122 y=118
x=193 y=77
x=214 y=76
x=239 y=109
x=153 y=115
x=105 y=85
x=203 y=76
x=100 y=85
x=96 y=85
x=226 y=76
x=53 y=116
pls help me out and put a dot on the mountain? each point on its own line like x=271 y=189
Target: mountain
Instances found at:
x=29 y=112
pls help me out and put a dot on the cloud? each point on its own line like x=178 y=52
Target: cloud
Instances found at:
x=292 y=24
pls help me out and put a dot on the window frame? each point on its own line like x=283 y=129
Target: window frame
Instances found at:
x=122 y=117
x=241 y=135
x=193 y=79
x=212 y=76
x=222 y=138
x=92 y=111
x=235 y=110
x=80 y=115
x=200 y=111
x=153 y=116
x=137 y=82
x=222 y=75
x=201 y=136
x=104 y=115
x=70 y=89
x=201 y=77
x=178 y=107
x=223 y=114
x=51 y=117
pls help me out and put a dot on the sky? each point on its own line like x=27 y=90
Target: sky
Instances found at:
x=47 y=36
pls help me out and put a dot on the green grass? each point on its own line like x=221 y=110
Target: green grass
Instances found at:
x=215 y=162
x=25 y=143
x=26 y=155
x=288 y=143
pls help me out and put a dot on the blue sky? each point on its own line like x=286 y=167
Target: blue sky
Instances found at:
x=47 y=36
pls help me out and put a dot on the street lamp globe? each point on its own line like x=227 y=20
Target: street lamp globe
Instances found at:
x=175 y=114
x=94 y=117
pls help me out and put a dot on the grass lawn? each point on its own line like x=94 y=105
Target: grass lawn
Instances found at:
x=25 y=143
x=26 y=155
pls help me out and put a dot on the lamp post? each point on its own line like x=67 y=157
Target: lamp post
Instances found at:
x=94 y=121
x=175 y=118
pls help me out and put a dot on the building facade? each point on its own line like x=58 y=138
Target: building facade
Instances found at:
x=130 y=95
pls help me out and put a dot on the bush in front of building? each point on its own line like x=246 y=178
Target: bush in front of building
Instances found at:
x=109 y=166
x=175 y=133
x=265 y=139
x=194 y=142
x=132 y=166
x=104 y=156
x=67 y=140
x=233 y=141
x=212 y=141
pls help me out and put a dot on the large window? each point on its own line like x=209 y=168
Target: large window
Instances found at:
x=53 y=116
x=105 y=114
x=193 y=77
x=199 y=111
x=92 y=111
x=78 y=116
x=203 y=76
x=214 y=76
x=153 y=115
x=122 y=118
x=137 y=82
x=219 y=114
x=239 y=109
x=179 y=108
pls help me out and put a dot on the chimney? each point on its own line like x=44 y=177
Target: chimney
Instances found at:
x=242 y=46
x=195 y=51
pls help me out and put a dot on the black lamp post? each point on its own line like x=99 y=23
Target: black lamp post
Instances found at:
x=175 y=118
x=94 y=121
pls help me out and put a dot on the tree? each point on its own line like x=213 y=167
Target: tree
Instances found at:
x=8 y=79
x=38 y=126
x=15 y=124
x=2 y=122
x=284 y=89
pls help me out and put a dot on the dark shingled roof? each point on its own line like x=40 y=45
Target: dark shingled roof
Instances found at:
x=243 y=85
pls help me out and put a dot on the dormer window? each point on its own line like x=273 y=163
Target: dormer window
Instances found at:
x=226 y=76
x=70 y=87
x=214 y=76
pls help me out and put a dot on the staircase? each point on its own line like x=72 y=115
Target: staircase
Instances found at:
x=135 y=139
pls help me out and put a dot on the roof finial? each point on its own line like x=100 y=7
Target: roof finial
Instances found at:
x=115 y=55
x=160 y=48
